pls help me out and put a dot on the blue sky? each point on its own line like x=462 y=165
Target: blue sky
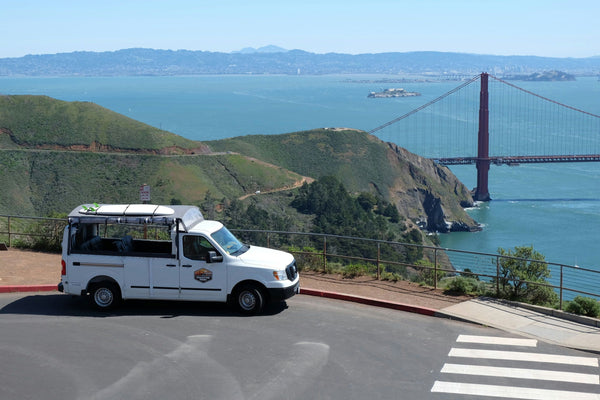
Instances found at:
x=549 y=28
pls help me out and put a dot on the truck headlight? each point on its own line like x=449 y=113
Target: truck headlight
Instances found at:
x=279 y=275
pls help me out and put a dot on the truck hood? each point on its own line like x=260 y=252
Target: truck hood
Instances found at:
x=267 y=258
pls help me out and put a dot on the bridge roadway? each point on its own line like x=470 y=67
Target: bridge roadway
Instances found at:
x=516 y=160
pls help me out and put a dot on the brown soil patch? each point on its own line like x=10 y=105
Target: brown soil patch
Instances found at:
x=399 y=292
x=20 y=267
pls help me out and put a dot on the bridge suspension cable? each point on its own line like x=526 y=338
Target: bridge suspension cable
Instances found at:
x=521 y=124
x=512 y=127
x=543 y=98
x=408 y=114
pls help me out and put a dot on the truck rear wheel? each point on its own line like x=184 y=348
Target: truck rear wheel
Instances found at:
x=105 y=295
x=249 y=299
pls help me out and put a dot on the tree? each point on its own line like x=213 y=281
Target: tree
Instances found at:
x=208 y=206
x=391 y=211
x=367 y=201
x=523 y=274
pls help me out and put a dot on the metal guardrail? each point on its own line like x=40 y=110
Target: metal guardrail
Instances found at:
x=48 y=228
x=565 y=279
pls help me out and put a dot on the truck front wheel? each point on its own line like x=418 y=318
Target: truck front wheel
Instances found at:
x=105 y=295
x=249 y=299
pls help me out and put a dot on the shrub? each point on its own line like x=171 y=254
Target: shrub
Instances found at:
x=523 y=276
x=307 y=257
x=461 y=285
x=584 y=306
x=355 y=270
x=426 y=275
x=390 y=276
x=43 y=235
x=467 y=273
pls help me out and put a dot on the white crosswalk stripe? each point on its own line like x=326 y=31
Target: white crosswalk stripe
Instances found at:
x=523 y=356
x=497 y=340
x=524 y=383
x=521 y=373
x=511 y=392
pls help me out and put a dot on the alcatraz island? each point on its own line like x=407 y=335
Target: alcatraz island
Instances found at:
x=393 y=93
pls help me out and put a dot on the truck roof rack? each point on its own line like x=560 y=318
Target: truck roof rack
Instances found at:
x=187 y=216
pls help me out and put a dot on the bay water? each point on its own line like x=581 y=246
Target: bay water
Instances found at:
x=553 y=207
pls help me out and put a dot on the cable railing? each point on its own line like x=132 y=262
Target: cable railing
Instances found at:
x=567 y=280
x=319 y=251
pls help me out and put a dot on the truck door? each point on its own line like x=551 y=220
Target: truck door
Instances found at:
x=164 y=275
x=201 y=279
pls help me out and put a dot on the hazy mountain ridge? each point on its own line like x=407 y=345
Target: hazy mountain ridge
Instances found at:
x=275 y=60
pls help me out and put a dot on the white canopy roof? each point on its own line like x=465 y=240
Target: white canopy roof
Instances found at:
x=188 y=216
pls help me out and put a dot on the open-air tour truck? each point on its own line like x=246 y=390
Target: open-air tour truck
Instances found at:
x=113 y=252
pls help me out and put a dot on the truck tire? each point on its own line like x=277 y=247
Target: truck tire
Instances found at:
x=105 y=295
x=249 y=299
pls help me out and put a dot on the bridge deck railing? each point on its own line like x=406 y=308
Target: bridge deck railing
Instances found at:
x=386 y=257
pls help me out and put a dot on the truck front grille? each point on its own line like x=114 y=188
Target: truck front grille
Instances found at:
x=291 y=271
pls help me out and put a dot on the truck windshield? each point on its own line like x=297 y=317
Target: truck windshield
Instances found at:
x=228 y=242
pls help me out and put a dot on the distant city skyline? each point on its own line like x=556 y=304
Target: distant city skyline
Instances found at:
x=546 y=28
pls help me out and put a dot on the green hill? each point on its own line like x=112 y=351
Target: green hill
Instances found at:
x=43 y=122
x=38 y=182
x=56 y=155
x=422 y=190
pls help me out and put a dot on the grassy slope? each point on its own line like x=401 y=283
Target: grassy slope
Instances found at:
x=355 y=158
x=40 y=181
x=36 y=182
x=363 y=163
x=41 y=120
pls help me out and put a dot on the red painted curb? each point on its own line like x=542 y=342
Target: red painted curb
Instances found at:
x=368 y=301
x=28 y=288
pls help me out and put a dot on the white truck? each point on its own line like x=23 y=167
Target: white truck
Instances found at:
x=112 y=252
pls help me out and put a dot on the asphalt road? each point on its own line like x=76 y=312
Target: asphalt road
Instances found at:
x=53 y=346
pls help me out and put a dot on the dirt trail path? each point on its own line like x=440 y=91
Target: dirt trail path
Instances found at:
x=297 y=184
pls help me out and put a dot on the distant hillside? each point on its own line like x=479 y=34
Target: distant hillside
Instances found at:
x=421 y=189
x=38 y=182
x=545 y=76
x=56 y=155
x=272 y=60
x=43 y=122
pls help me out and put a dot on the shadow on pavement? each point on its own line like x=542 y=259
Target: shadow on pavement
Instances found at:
x=76 y=306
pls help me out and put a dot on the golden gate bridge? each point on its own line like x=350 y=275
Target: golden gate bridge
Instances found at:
x=514 y=126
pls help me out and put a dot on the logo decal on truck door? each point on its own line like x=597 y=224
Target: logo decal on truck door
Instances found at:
x=203 y=275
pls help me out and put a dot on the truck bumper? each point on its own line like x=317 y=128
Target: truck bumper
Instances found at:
x=61 y=288
x=280 y=294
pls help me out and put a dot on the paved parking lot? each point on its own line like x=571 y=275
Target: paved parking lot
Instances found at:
x=53 y=346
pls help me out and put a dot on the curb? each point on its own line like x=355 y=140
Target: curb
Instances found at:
x=371 y=302
x=28 y=288
x=578 y=319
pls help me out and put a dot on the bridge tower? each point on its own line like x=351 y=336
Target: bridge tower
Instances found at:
x=483 y=143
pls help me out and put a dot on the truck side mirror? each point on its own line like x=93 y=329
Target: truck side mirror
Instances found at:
x=213 y=257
